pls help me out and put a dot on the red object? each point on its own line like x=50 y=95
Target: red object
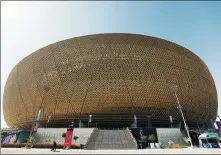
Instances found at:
x=36 y=127
x=147 y=116
x=68 y=139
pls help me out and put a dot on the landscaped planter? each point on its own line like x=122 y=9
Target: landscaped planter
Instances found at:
x=59 y=146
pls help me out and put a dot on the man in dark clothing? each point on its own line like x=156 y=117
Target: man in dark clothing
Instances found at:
x=54 y=146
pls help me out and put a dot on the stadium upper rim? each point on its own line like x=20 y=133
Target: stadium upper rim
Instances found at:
x=126 y=34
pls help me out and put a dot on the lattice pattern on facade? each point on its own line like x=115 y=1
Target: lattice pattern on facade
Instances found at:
x=109 y=73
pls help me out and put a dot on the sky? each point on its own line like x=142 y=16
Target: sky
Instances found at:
x=28 y=26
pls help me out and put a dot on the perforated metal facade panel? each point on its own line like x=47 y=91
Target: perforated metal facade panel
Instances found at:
x=109 y=74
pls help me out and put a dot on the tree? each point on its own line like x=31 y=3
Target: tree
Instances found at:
x=186 y=139
x=48 y=140
x=144 y=139
x=4 y=133
x=63 y=135
x=25 y=140
x=170 y=143
x=152 y=139
x=75 y=138
x=31 y=140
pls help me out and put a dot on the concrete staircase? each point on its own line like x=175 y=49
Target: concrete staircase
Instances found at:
x=111 y=139
x=170 y=134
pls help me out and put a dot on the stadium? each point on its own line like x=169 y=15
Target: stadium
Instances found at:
x=112 y=81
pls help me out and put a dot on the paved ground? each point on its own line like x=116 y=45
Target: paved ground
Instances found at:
x=146 y=151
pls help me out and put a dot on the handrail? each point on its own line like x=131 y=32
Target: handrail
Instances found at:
x=93 y=132
x=102 y=138
x=132 y=136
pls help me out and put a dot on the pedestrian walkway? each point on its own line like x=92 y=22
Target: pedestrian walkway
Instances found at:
x=77 y=151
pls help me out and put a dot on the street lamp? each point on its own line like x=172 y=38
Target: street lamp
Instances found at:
x=35 y=120
x=49 y=117
x=16 y=122
x=90 y=116
x=175 y=91
x=37 y=117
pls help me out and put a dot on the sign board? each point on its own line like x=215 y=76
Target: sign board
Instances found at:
x=36 y=127
x=218 y=125
x=212 y=135
x=69 y=134
x=38 y=116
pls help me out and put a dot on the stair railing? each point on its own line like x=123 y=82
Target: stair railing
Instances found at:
x=132 y=137
x=91 y=136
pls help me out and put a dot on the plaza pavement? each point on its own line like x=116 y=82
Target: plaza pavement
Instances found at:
x=144 y=151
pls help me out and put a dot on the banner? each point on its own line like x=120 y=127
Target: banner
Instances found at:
x=69 y=134
x=36 y=127
x=218 y=125
x=38 y=116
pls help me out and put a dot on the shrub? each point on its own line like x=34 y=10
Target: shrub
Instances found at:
x=31 y=140
x=170 y=143
x=4 y=133
x=63 y=135
x=152 y=139
x=75 y=138
x=48 y=140
x=25 y=140
x=186 y=139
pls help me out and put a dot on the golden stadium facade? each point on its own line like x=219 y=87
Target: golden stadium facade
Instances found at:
x=111 y=77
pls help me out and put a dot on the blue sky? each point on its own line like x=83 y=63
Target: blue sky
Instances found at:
x=28 y=26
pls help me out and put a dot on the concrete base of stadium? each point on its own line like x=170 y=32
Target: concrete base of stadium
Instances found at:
x=144 y=151
x=108 y=139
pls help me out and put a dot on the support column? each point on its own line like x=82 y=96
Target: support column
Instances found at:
x=134 y=124
x=81 y=125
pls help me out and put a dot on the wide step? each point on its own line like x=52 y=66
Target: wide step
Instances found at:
x=111 y=139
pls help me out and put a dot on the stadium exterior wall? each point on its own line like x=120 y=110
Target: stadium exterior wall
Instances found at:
x=111 y=77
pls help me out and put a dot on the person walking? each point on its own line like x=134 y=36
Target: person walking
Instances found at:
x=54 y=146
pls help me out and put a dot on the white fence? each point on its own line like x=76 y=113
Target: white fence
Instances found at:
x=47 y=135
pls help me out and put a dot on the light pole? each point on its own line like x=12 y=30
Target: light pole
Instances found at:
x=89 y=120
x=35 y=120
x=171 y=121
x=49 y=117
x=16 y=122
x=175 y=91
